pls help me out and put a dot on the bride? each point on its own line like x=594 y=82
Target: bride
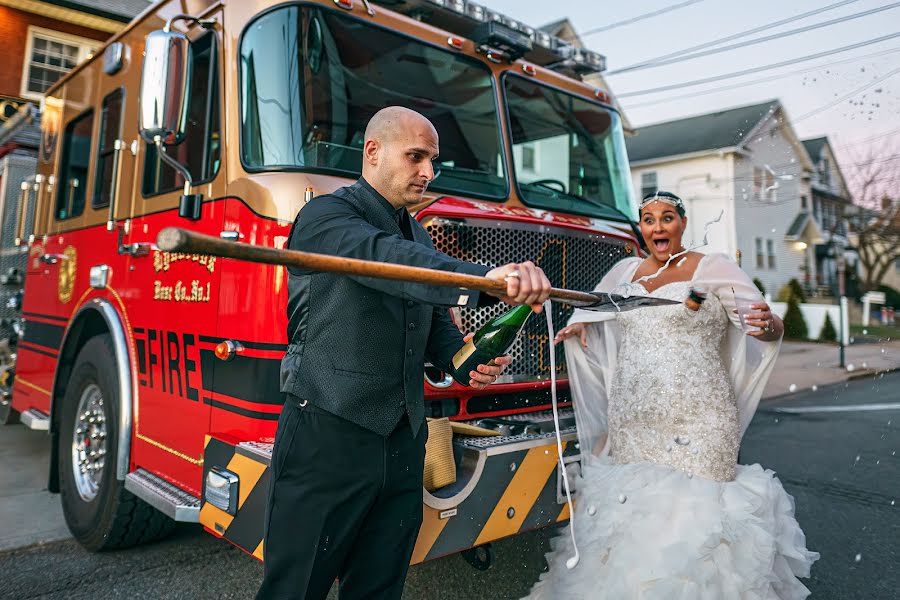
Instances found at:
x=662 y=398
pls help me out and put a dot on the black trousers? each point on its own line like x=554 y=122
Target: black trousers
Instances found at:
x=345 y=503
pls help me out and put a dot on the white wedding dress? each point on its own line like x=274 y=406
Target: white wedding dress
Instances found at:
x=662 y=510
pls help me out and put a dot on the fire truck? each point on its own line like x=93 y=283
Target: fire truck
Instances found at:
x=156 y=374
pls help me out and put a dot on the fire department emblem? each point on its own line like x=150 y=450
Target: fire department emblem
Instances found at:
x=67 y=274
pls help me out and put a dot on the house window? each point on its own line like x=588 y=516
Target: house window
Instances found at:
x=803 y=202
x=48 y=56
x=825 y=172
x=528 y=162
x=760 y=257
x=648 y=183
x=763 y=185
x=770 y=246
x=74 y=166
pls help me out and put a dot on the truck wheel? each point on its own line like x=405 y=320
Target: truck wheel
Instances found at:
x=100 y=512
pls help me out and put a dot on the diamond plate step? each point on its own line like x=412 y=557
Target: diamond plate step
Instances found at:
x=35 y=419
x=163 y=496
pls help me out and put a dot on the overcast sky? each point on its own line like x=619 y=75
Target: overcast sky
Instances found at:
x=871 y=112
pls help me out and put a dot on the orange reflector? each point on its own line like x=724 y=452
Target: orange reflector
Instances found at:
x=227 y=349
x=602 y=96
x=345 y=4
x=454 y=42
x=529 y=69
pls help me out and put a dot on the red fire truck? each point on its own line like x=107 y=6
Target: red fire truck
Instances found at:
x=157 y=374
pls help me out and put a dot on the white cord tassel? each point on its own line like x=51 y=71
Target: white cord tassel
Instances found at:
x=573 y=560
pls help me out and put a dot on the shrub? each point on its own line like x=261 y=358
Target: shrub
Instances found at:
x=792 y=289
x=759 y=284
x=828 y=332
x=891 y=296
x=794 y=323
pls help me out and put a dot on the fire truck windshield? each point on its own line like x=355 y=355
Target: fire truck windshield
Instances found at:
x=568 y=152
x=312 y=78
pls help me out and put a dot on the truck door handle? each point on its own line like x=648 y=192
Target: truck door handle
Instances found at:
x=52 y=259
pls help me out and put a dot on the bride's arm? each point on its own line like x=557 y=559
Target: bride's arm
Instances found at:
x=724 y=278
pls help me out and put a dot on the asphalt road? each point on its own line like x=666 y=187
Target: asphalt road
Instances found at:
x=840 y=466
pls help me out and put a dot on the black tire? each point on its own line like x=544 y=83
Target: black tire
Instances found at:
x=113 y=518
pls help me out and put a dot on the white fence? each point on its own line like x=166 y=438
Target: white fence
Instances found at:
x=814 y=315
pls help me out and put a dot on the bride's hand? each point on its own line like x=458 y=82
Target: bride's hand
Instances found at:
x=579 y=329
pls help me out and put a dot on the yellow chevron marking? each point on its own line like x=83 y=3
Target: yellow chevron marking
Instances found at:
x=521 y=494
x=564 y=513
x=432 y=526
x=249 y=472
x=258 y=553
x=211 y=517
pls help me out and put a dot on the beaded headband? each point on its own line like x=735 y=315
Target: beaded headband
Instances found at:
x=667 y=197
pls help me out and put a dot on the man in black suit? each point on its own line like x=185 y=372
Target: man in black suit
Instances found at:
x=345 y=498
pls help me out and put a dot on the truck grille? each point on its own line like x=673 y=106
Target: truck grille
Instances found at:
x=571 y=259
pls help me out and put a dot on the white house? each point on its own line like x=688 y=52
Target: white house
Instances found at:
x=830 y=199
x=748 y=165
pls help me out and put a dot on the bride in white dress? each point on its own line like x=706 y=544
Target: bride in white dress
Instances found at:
x=662 y=397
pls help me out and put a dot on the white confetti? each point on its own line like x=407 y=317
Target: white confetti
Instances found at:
x=851 y=368
x=792 y=388
x=815 y=387
x=858 y=557
x=622 y=498
x=592 y=510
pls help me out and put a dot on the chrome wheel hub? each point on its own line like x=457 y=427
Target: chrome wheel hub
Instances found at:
x=89 y=443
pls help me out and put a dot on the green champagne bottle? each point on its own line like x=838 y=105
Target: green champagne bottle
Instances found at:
x=493 y=339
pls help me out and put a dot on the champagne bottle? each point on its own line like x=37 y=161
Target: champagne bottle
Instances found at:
x=493 y=339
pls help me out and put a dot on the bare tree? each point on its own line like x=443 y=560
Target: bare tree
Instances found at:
x=873 y=177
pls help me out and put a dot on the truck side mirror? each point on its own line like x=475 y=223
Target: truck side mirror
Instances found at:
x=165 y=90
x=165 y=95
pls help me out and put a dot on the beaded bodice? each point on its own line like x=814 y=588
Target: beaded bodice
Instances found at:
x=671 y=400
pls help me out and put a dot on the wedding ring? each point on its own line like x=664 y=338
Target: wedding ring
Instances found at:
x=512 y=274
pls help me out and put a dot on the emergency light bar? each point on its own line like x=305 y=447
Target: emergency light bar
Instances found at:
x=501 y=33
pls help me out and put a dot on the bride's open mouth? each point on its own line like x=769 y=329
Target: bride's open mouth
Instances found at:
x=661 y=244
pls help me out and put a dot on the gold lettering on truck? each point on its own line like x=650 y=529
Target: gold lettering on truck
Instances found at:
x=162 y=260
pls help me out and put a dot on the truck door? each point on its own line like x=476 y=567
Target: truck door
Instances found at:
x=175 y=295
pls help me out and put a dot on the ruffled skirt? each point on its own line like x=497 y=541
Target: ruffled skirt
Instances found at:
x=650 y=532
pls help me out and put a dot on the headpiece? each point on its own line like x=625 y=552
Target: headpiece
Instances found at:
x=667 y=197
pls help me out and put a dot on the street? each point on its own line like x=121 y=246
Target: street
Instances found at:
x=834 y=449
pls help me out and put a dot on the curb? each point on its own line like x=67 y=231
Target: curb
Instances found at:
x=862 y=374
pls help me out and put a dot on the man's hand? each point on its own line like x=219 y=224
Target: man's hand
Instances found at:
x=487 y=374
x=525 y=284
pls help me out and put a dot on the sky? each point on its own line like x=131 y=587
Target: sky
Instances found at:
x=850 y=123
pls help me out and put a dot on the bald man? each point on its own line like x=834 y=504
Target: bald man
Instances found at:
x=345 y=496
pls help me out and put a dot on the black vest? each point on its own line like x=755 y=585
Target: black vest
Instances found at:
x=355 y=351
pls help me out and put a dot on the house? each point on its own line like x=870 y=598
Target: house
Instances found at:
x=42 y=40
x=564 y=30
x=748 y=165
x=830 y=200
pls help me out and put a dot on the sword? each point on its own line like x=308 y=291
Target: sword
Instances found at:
x=175 y=239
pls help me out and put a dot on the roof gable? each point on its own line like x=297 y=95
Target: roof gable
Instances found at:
x=712 y=131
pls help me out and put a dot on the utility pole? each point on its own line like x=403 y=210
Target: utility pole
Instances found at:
x=841 y=266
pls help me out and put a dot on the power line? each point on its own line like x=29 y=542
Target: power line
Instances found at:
x=869 y=139
x=640 y=17
x=760 y=80
x=777 y=65
x=846 y=96
x=735 y=36
x=760 y=40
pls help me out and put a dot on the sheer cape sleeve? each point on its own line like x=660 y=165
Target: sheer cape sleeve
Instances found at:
x=749 y=361
x=591 y=369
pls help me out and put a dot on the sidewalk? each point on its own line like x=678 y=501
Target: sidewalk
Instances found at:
x=804 y=364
